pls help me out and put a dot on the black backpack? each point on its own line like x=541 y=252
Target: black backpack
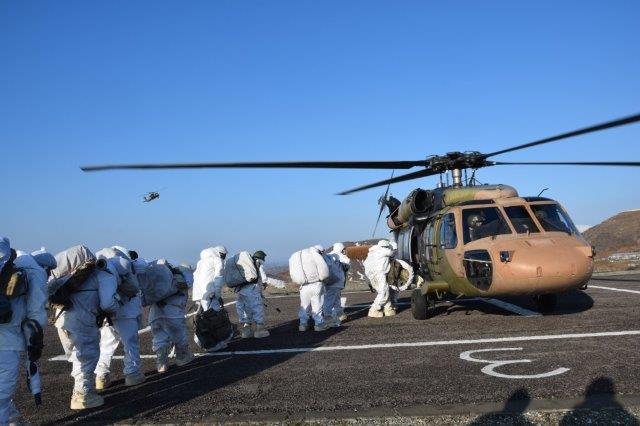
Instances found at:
x=13 y=284
x=212 y=327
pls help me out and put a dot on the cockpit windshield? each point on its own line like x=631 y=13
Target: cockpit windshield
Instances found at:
x=483 y=222
x=521 y=219
x=553 y=218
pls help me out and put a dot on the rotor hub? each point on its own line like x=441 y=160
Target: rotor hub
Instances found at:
x=457 y=161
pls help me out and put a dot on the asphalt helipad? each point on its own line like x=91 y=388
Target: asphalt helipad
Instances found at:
x=471 y=359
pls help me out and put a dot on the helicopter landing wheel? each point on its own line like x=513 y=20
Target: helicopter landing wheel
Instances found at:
x=420 y=305
x=546 y=302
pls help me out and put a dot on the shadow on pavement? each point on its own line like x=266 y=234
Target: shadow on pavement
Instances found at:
x=512 y=412
x=599 y=407
x=569 y=303
x=600 y=395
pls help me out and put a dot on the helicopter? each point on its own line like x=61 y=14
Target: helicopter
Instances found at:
x=468 y=239
x=150 y=196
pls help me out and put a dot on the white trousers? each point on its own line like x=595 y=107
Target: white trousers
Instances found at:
x=9 y=373
x=168 y=332
x=249 y=305
x=311 y=301
x=124 y=330
x=83 y=352
x=379 y=284
x=332 y=305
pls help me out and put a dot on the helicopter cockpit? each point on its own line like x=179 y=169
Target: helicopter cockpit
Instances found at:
x=524 y=218
x=483 y=222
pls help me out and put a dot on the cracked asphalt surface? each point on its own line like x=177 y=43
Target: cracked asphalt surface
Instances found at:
x=404 y=378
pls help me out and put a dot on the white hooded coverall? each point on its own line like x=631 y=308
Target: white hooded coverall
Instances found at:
x=340 y=264
x=77 y=326
x=126 y=322
x=312 y=300
x=376 y=266
x=12 y=341
x=250 y=303
x=207 y=279
x=167 y=319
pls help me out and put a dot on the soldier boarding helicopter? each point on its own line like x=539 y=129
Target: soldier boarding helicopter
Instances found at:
x=467 y=239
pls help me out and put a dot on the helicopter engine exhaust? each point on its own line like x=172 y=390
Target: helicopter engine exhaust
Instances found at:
x=418 y=201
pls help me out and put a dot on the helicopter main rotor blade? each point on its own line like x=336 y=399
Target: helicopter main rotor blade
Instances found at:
x=409 y=176
x=608 y=125
x=384 y=197
x=265 y=165
x=569 y=163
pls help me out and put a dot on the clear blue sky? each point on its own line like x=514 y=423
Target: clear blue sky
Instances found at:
x=119 y=81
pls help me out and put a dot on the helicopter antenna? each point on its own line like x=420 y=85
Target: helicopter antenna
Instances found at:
x=542 y=191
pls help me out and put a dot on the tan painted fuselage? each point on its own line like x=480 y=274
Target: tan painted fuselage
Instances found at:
x=537 y=261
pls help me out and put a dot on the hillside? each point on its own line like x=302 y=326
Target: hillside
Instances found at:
x=620 y=233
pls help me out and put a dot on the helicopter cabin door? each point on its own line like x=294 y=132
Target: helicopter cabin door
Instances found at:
x=441 y=237
x=430 y=250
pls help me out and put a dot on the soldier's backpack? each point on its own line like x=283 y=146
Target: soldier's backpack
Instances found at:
x=157 y=283
x=239 y=270
x=336 y=271
x=75 y=266
x=308 y=266
x=212 y=327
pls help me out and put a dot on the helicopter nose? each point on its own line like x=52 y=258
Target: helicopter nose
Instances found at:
x=531 y=269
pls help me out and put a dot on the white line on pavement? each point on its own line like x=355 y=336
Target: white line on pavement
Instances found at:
x=511 y=307
x=410 y=344
x=614 y=289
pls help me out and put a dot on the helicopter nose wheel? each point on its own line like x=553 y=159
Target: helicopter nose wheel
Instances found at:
x=546 y=302
x=421 y=304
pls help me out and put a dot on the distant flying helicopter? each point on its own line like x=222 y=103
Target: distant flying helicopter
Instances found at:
x=468 y=239
x=150 y=196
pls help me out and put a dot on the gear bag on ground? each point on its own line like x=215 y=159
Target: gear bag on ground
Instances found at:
x=212 y=327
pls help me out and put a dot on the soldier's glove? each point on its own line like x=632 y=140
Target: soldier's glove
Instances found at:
x=102 y=317
x=35 y=339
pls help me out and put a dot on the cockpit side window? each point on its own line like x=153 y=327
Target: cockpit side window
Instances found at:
x=483 y=222
x=553 y=218
x=521 y=219
x=448 y=234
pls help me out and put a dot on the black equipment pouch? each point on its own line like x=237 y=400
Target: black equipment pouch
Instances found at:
x=13 y=284
x=212 y=327
x=6 y=313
